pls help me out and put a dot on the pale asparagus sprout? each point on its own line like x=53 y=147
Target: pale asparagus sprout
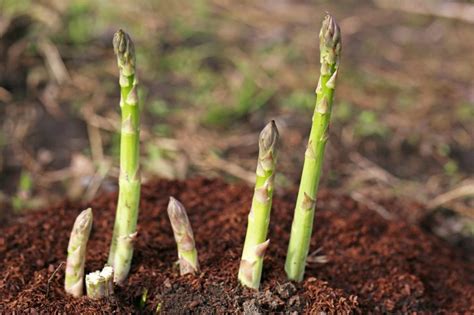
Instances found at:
x=76 y=253
x=183 y=234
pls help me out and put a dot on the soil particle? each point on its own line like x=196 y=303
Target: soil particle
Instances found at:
x=286 y=290
x=251 y=307
x=373 y=265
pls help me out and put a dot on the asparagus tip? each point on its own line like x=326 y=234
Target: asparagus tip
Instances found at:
x=84 y=220
x=124 y=48
x=330 y=33
x=269 y=137
x=177 y=214
x=174 y=206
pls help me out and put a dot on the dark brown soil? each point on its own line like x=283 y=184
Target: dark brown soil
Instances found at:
x=373 y=265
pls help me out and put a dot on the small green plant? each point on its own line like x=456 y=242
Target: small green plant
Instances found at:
x=22 y=199
x=183 y=234
x=76 y=253
x=251 y=264
x=143 y=299
x=302 y=226
x=300 y=100
x=368 y=125
x=121 y=249
x=249 y=98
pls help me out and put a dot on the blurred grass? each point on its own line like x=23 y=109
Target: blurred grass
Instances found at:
x=213 y=70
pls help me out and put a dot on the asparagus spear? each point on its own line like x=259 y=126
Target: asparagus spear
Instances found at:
x=256 y=242
x=108 y=274
x=99 y=284
x=121 y=249
x=301 y=229
x=183 y=234
x=76 y=253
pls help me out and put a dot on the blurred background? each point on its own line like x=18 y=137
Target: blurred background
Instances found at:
x=214 y=72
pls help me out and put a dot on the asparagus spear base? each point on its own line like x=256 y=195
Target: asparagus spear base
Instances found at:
x=296 y=256
x=250 y=270
x=99 y=284
x=188 y=262
x=125 y=229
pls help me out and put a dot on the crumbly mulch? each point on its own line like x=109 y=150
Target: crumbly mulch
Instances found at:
x=369 y=264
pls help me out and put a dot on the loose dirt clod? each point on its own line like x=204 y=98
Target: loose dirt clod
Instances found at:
x=286 y=290
x=374 y=265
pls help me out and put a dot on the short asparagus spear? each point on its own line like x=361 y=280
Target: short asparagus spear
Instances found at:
x=99 y=284
x=256 y=242
x=121 y=249
x=76 y=253
x=94 y=285
x=330 y=50
x=183 y=234
x=108 y=274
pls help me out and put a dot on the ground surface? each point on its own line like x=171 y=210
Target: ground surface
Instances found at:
x=364 y=263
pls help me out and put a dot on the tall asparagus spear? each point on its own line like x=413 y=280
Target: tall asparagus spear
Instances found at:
x=256 y=242
x=121 y=249
x=183 y=234
x=301 y=229
x=76 y=253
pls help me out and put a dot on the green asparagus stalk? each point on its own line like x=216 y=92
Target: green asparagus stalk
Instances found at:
x=183 y=234
x=99 y=284
x=76 y=253
x=301 y=229
x=121 y=249
x=256 y=242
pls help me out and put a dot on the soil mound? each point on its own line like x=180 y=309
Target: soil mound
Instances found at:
x=365 y=263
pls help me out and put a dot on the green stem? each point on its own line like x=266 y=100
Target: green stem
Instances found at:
x=250 y=271
x=76 y=253
x=183 y=234
x=302 y=226
x=121 y=249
